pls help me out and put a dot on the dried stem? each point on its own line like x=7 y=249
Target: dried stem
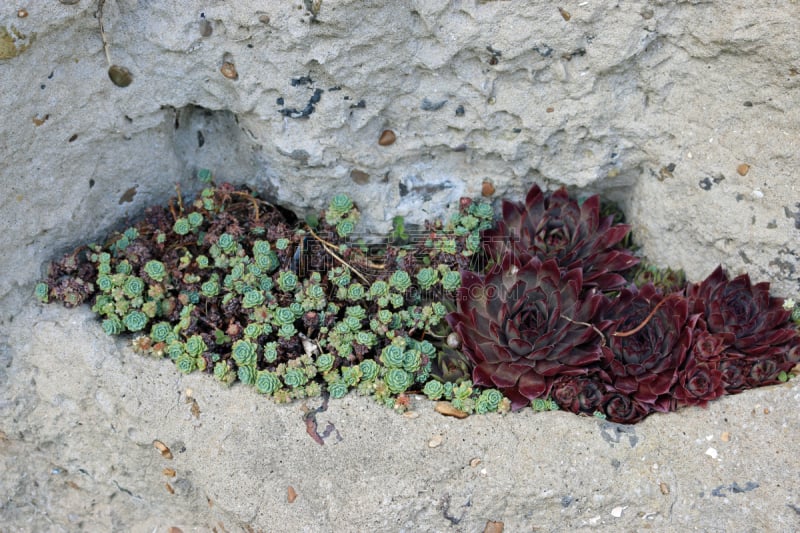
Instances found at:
x=100 y=5
x=329 y=248
x=640 y=326
x=602 y=337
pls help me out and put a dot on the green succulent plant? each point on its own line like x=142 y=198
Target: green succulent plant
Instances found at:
x=398 y=380
x=252 y=298
x=155 y=269
x=337 y=389
x=369 y=369
x=244 y=352
x=210 y=288
x=160 y=331
x=451 y=280
x=325 y=362
x=195 y=346
x=182 y=226
x=133 y=287
x=267 y=382
x=227 y=243
x=392 y=356
x=433 y=389
x=135 y=321
x=247 y=374
x=205 y=175
x=195 y=219
x=186 y=363
x=488 y=401
x=113 y=326
x=270 y=352
x=295 y=377
x=287 y=281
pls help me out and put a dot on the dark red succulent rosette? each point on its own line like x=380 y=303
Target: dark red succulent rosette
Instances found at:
x=555 y=226
x=700 y=379
x=649 y=339
x=580 y=394
x=623 y=409
x=526 y=322
x=762 y=341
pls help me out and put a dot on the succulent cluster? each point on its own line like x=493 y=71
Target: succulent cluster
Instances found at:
x=232 y=286
x=553 y=317
x=547 y=307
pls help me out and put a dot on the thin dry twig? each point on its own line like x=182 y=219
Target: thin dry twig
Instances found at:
x=602 y=337
x=329 y=248
x=638 y=328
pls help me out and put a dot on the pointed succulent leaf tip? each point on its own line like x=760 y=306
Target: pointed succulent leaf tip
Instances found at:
x=555 y=226
x=523 y=323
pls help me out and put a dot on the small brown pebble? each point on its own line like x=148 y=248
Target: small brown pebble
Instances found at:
x=493 y=527
x=387 y=138
x=564 y=14
x=263 y=19
x=169 y=472
x=447 y=409
x=725 y=437
x=174 y=529
x=664 y=488
x=474 y=462
x=359 y=176
x=549 y=110
x=22 y=13
x=766 y=410
x=411 y=415
x=228 y=70
x=120 y=76
x=161 y=447
x=487 y=188
x=291 y=494
x=169 y=488
x=743 y=169
x=39 y=121
x=436 y=441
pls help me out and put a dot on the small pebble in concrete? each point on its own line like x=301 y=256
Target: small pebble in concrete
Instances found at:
x=120 y=76
x=387 y=138
x=616 y=512
x=436 y=441
x=487 y=188
x=161 y=447
x=22 y=13
x=743 y=169
x=228 y=70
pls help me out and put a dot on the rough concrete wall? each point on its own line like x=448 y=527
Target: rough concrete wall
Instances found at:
x=654 y=103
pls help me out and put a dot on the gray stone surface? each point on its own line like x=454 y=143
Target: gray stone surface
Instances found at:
x=654 y=104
